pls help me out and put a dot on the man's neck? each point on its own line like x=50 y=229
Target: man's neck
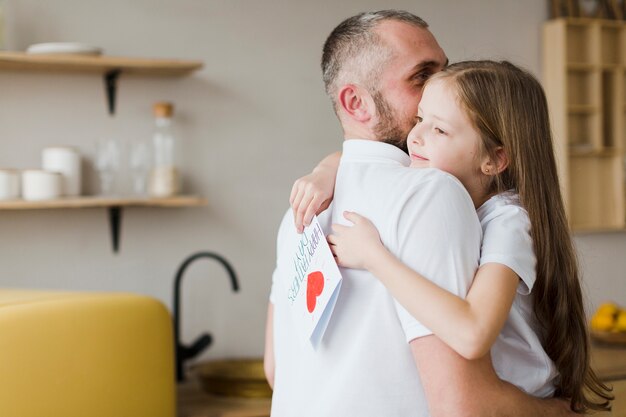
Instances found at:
x=359 y=132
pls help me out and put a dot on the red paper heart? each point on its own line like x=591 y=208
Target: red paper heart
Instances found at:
x=314 y=287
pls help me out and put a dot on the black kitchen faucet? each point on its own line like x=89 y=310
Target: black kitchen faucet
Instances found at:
x=203 y=341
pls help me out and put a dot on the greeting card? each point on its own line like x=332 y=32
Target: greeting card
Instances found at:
x=314 y=281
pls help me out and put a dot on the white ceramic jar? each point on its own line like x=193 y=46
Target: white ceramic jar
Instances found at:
x=38 y=184
x=66 y=161
x=9 y=184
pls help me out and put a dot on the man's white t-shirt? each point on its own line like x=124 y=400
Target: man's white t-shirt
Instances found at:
x=363 y=366
x=517 y=354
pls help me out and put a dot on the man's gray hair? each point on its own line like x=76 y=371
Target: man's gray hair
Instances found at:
x=354 y=52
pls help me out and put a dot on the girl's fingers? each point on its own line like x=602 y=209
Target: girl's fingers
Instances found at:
x=332 y=240
x=325 y=204
x=310 y=211
x=353 y=217
x=335 y=254
x=338 y=228
x=350 y=216
x=295 y=201
x=295 y=190
x=302 y=208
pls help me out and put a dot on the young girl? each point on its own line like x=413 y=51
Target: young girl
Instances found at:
x=487 y=124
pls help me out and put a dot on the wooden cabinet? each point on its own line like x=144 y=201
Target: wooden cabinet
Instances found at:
x=584 y=69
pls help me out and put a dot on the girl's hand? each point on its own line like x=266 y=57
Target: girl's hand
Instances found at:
x=355 y=246
x=311 y=195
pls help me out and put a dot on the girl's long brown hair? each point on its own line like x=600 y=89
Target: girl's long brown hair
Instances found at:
x=508 y=107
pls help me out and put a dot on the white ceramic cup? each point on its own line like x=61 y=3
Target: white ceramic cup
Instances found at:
x=65 y=160
x=38 y=184
x=9 y=184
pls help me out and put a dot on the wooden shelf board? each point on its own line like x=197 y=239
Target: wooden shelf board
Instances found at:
x=589 y=67
x=581 y=66
x=588 y=229
x=59 y=62
x=586 y=21
x=588 y=151
x=611 y=67
x=577 y=21
x=97 y=201
x=582 y=109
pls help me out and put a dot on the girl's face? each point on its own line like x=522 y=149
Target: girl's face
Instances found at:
x=444 y=137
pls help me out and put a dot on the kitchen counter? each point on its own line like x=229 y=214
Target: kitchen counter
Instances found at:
x=193 y=402
x=608 y=361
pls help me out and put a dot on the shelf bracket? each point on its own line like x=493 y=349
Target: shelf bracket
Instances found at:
x=115 y=223
x=110 y=83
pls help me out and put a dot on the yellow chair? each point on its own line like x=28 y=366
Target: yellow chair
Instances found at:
x=68 y=354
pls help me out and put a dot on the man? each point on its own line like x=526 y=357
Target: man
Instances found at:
x=374 y=67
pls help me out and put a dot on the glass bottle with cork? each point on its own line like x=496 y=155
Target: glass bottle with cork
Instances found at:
x=165 y=178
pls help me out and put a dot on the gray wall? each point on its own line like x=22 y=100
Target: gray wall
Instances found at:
x=254 y=119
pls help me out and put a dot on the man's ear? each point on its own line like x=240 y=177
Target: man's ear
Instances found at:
x=356 y=103
x=491 y=167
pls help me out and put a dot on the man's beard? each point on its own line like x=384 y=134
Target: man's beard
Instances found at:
x=389 y=129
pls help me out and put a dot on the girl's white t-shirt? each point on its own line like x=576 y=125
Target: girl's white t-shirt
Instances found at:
x=517 y=355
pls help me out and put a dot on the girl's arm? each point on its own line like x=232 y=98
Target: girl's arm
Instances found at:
x=469 y=326
x=313 y=193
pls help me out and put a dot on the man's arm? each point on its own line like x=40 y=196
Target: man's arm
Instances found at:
x=268 y=357
x=439 y=237
x=269 y=363
x=458 y=387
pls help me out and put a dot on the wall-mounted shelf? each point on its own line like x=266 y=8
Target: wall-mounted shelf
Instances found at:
x=101 y=64
x=110 y=67
x=114 y=205
x=96 y=201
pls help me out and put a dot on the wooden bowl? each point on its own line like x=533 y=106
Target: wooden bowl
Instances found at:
x=609 y=338
x=233 y=378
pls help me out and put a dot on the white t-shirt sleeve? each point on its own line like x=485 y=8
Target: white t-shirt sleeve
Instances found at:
x=438 y=235
x=507 y=241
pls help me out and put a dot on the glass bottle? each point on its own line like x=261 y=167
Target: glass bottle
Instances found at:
x=140 y=162
x=164 y=179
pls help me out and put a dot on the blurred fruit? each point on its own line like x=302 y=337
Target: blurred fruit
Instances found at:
x=607 y=308
x=620 y=323
x=609 y=317
x=602 y=322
